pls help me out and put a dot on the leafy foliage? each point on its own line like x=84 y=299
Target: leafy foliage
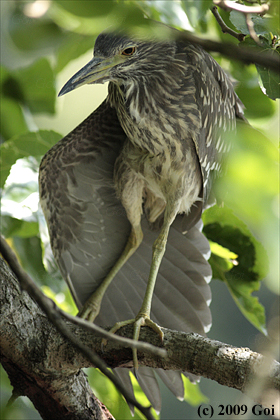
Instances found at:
x=267 y=30
x=196 y=12
x=241 y=263
x=113 y=400
x=24 y=145
x=42 y=43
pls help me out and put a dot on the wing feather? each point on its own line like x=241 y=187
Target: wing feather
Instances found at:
x=218 y=107
x=78 y=199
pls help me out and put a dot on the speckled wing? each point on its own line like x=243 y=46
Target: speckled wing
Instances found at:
x=218 y=107
x=88 y=230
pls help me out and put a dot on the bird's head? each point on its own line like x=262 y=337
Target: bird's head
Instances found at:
x=119 y=59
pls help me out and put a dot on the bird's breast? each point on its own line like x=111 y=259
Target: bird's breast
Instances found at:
x=153 y=124
x=166 y=175
x=160 y=149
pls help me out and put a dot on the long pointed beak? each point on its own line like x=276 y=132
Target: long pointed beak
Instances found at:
x=95 y=70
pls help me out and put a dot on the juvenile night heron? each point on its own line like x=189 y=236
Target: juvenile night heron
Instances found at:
x=150 y=148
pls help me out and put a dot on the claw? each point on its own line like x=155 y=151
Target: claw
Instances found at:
x=135 y=373
x=140 y=321
x=91 y=309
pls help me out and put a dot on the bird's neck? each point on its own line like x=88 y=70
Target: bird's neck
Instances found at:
x=142 y=108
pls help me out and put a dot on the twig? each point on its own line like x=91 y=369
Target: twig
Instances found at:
x=47 y=306
x=231 y=5
x=246 y=55
x=251 y=29
x=225 y=28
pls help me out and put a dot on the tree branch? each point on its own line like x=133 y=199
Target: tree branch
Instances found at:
x=268 y=59
x=232 y=5
x=247 y=11
x=33 y=352
x=251 y=29
x=225 y=28
x=47 y=306
x=26 y=350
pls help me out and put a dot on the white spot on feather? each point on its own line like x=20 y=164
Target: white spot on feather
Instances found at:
x=203 y=164
x=209 y=137
x=218 y=143
x=206 y=121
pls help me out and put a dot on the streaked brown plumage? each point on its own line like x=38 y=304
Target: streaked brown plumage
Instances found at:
x=153 y=147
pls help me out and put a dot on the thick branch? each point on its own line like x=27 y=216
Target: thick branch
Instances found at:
x=26 y=333
x=27 y=351
x=48 y=308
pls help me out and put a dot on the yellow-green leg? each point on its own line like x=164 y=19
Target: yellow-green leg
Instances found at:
x=143 y=317
x=91 y=308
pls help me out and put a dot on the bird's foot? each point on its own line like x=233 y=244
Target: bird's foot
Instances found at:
x=142 y=320
x=90 y=310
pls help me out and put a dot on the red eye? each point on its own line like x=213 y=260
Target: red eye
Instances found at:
x=129 y=51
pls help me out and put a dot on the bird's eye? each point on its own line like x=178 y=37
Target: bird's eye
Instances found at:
x=129 y=51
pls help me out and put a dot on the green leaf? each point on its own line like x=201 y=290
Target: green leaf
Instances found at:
x=219 y=266
x=262 y=25
x=257 y=105
x=37 y=84
x=60 y=299
x=242 y=276
x=193 y=394
x=33 y=86
x=102 y=15
x=222 y=252
x=12 y=119
x=112 y=399
x=31 y=34
x=270 y=82
x=29 y=252
x=72 y=47
x=32 y=143
x=221 y=260
x=236 y=236
x=196 y=12
x=249 y=305
x=87 y=8
x=250 y=184
x=15 y=227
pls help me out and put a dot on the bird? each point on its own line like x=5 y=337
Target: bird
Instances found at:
x=123 y=193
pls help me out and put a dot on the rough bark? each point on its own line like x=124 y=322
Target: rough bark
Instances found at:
x=46 y=367
x=38 y=360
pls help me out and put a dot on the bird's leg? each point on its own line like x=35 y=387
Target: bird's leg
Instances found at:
x=143 y=317
x=131 y=196
x=91 y=308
